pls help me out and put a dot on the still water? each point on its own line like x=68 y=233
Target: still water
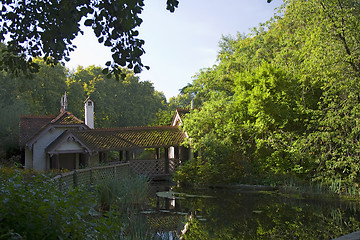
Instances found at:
x=239 y=214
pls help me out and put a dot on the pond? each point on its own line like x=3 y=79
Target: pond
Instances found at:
x=242 y=214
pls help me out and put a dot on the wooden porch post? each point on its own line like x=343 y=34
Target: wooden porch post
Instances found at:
x=167 y=162
x=157 y=153
x=54 y=161
x=57 y=161
x=176 y=152
x=127 y=155
x=121 y=156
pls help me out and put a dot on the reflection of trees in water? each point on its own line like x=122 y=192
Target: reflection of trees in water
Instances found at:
x=264 y=216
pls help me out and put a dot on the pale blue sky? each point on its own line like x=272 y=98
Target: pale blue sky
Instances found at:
x=179 y=44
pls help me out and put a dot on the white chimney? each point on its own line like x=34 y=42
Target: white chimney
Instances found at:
x=89 y=113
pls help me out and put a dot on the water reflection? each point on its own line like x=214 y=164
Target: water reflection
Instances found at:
x=257 y=215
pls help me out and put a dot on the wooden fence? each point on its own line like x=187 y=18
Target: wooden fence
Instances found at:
x=151 y=168
x=90 y=176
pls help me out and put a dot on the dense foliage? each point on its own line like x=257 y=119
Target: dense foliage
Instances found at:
x=32 y=208
x=47 y=29
x=117 y=104
x=282 y=102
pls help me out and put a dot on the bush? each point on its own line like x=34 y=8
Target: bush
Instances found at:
x=199 y=171
x=32 y=208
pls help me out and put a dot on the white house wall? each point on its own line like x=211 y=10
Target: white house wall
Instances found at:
x=69 y=146
x=28 y=159
x=40 y=161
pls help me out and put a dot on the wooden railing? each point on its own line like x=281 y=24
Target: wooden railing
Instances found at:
x=90 y=176
x=153 y=167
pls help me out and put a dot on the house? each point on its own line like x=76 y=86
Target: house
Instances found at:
x=66 y=142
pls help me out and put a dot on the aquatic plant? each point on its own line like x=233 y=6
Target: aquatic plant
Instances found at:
x=122 y=194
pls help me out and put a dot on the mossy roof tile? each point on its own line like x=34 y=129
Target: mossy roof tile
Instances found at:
x=30 y=125
x=66 y=118
x=133 y=137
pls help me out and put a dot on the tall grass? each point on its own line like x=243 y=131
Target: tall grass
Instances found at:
x=127 y=193
x=334 y=187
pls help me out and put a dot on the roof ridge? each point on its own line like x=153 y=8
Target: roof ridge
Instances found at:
x=65 y=113
x=36 y=116
x=134 y=128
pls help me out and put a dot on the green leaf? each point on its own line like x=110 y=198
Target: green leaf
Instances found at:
x=105 y=71
x=88 y=22
x=137 y=69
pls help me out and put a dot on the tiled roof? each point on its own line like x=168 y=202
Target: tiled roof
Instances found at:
x=66 y=118
x=131 y=137
x=30 y=125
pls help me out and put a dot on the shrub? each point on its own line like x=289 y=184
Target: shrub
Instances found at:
x=32 y=208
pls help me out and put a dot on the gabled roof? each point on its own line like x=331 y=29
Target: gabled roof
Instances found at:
x=65 y=136
x=30 y=125
x=130 y=137
x=179 y=115
x=66 y=118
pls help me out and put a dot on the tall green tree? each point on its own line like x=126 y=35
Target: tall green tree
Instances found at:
x=12 y=106
x=47 y=29
x=37 y=94
x=285 y=98
x=332 y=58
x=117 y=104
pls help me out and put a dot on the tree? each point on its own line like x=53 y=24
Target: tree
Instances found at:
x=12 y=106
x=117 y=104
x=285 y=98
x=47 y=29
x=38 y=94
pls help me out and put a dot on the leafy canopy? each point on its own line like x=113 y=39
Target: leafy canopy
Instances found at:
x=282 y=102
x=47 y=29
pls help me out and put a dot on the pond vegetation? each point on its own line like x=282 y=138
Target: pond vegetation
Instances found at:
x=33 y=207
x=237 y=214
